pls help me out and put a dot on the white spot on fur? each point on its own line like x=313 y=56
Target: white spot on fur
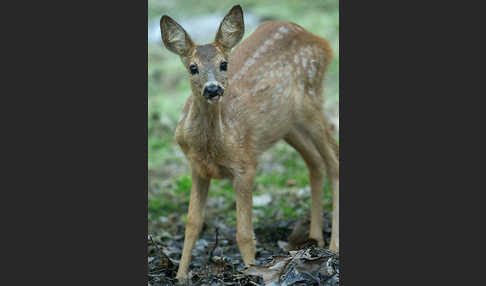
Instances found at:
x=252 y=60
x=248 y=63
x=311 y=72
x=277 y=36
x=297 y=28
x=283 y=29
x=306 y=54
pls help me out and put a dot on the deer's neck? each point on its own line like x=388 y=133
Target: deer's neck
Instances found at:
x=206 y=121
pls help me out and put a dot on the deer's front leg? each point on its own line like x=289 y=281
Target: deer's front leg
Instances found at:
x=243 y=185
x=195 y=217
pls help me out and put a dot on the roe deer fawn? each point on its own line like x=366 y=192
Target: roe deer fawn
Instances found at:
x=242 y=103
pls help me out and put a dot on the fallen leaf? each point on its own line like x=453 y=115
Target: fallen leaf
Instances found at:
x=312 y=266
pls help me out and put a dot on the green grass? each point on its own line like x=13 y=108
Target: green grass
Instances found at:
x=168 y=89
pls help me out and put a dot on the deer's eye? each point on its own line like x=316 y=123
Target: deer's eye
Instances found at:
x=223 y=66
x=193 y=69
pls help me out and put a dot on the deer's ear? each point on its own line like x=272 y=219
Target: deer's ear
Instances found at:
x=231 y=29
x=174 y=36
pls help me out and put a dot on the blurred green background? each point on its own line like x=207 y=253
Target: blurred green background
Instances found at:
x=281 y=189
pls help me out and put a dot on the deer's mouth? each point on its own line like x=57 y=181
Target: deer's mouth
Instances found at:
x=214 y=99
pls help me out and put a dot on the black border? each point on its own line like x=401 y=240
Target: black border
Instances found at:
x=77 y=194
x=403 y=196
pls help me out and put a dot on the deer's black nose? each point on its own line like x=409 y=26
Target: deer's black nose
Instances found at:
x=213 y=90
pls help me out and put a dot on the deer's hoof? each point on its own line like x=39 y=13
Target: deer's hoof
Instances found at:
x=182 y=277
x=334 y=247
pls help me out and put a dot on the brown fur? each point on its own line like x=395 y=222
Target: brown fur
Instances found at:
x=273 y=90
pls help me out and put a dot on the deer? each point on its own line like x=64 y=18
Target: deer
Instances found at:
x=244 y=101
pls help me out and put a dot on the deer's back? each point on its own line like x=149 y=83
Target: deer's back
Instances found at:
x=275 y=75
x=273 y=42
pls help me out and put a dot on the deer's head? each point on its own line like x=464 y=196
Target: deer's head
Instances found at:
x=207 y=65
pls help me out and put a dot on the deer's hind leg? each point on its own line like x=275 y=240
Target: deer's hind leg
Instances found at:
x=305 y=146
x=320 y=134
x=312 y=138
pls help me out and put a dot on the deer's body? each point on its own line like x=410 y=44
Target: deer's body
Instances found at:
x=272 y=91
x=284 y=65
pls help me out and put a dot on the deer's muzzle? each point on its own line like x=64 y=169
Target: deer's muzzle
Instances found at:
x=213 y=91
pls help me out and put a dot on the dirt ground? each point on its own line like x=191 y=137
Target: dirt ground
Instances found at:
x=216 y=259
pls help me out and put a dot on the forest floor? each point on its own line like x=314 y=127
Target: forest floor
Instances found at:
x=217 y=261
